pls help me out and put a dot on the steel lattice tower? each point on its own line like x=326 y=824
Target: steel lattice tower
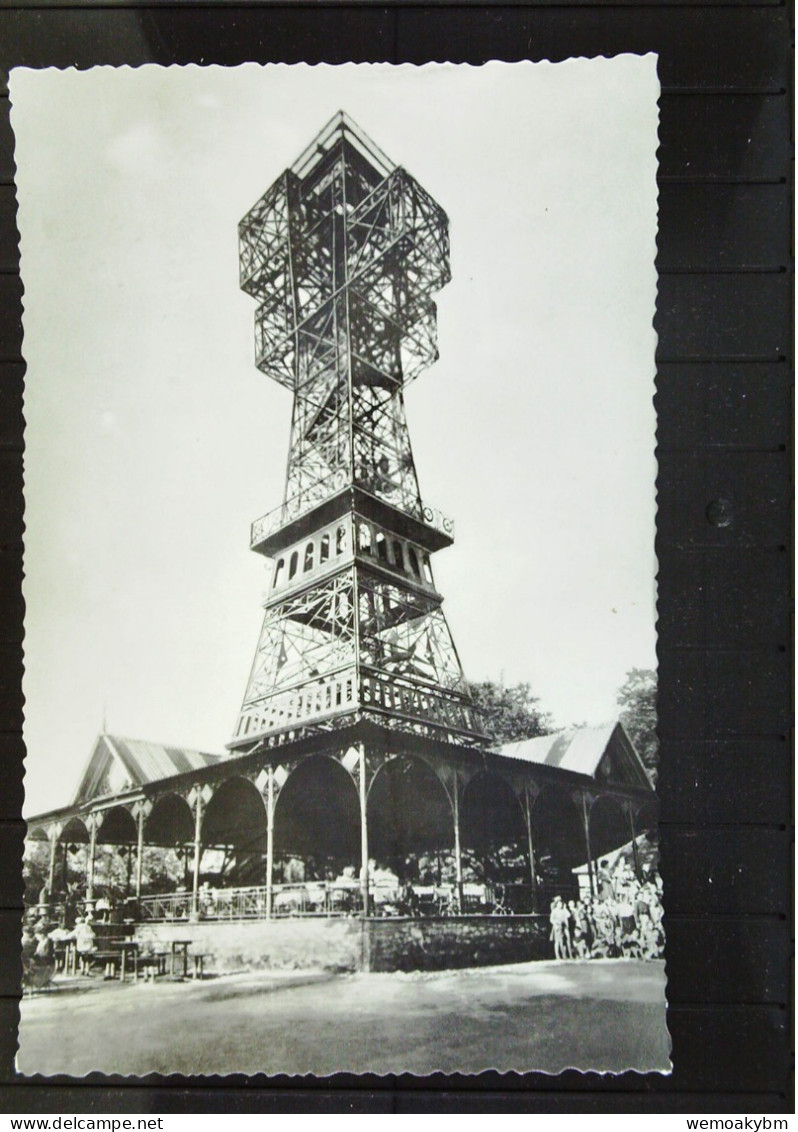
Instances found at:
x=343 y=253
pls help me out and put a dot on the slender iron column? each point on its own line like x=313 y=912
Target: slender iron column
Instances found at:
x=269 y=843
x=197 y=855
x=364 y=833
x=531 y=848
x=139 y=850
x=634 y=841
x=586 y=821
x=458 y=860
x=90 y=862
x=51 y=872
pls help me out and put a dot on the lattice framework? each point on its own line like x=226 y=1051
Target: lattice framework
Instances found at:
x=343 y=253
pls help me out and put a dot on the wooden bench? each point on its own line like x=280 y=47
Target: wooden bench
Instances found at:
x=152 y=962
x=108 y=959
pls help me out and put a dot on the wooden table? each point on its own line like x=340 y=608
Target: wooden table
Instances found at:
x=182 y=946
x=128 y=947
x=107 y=959
x=151 y=961
x=65 y=959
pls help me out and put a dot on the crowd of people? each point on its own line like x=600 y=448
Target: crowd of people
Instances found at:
x=44 y=940
x=623 y=919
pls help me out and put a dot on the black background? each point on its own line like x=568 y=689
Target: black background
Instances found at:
x=724 y=403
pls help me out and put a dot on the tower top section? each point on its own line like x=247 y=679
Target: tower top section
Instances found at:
x=343 y=254
x=340 y=127
x=391 y=251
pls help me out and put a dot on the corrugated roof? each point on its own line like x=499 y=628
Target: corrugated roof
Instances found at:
x=117 y=764
x=147 y=762
x=579 y=751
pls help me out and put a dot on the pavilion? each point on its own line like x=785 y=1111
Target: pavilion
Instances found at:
x=523 y=818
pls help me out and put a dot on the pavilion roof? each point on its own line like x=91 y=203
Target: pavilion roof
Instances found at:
x=117 y=764
x=604 y=752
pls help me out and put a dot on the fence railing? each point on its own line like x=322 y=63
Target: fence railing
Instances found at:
x=330 y=898
x=251 y=903
x=169 y=906
x=323 y=696
x=299 y=505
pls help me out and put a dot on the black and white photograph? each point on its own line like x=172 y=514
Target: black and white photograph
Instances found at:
x=340 y=578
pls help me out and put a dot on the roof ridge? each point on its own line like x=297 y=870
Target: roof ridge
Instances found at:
x=116 y=737
x=565 y=731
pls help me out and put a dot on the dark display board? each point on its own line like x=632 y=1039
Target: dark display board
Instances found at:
x=724 y=527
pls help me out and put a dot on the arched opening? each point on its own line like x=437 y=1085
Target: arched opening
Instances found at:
x=317 y=824
x=72 y=859
x=494 y=842
x=168 y=853
x=308 y=563
x=558 y=840
x=278 y=572
x=624 y=849
x=324 y=549
x=293 y=565
x=117 y=836
x=610 y=829
x=364 y=538
x=74 y=832
x=234 y=835
x=118 y=827
x=171 y=822
x=36 y=868
x=410 y=823
x=645 y=820
x=610 y=845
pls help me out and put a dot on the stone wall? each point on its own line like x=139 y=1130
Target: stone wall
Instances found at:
x=285 y=944
x=456 y=941
x=341 y=944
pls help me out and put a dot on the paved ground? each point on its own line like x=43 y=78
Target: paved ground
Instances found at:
x=606 y=1015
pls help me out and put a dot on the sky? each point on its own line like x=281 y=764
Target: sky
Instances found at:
x=152 y=441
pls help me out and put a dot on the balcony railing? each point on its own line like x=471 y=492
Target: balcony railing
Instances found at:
x=323 y=696
x=337 y=898
x=300 y=505
x=415 y=702
x=297 y=506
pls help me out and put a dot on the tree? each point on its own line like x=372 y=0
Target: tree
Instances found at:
x=35 y=870
x=637 y=699
x=509 y=714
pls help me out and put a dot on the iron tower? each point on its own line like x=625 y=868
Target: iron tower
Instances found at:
x=343 y=254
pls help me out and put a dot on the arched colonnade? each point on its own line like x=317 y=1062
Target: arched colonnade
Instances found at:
x=478 y=819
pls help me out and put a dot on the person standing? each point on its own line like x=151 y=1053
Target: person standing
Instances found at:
x=578 y=919
x=558 y=918
x=605 y=886
x=84 y=944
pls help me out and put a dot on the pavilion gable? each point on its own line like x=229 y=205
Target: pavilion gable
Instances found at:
x=620 y=764
x=605 y=754
x=117 y=765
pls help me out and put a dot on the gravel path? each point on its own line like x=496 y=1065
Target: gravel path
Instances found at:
x=606 y=1015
